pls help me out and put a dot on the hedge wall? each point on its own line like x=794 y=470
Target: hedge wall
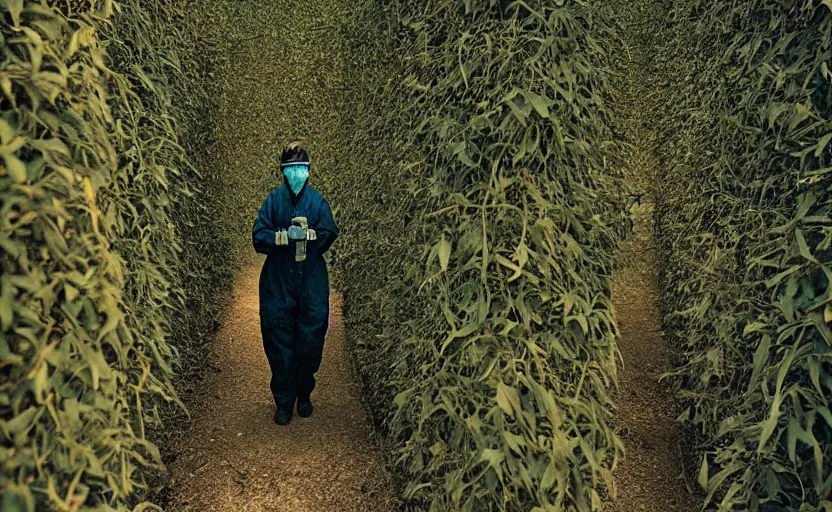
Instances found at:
x=480 y=226
x=745 y=228
x=94 y=164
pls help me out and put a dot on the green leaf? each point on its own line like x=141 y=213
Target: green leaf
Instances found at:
x=17 y=498
x=6 y=302
x=703 y=473
x=98 y=367
x=444 y=252
x=769 y=424
x=779 y=277
x=549 y=477
x=465 y=159
x=795 y=433
x=545 y=399
x=804 y=248
x=774 y=412
x=16 y=168
x=21 y=422
x=7 y=133
x=508 y=399
x=539 y=104
x=502 y=260
x=495 y=459
x=581 y=319
x=107 y=8
x=40 y=382
x=753 y=327
x=15 y=7
x=761 y=356
x=51 y=145
x=822 y=143
x=801 y=113
x=71 y=292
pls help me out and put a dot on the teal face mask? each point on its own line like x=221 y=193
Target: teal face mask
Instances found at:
x=296 y=175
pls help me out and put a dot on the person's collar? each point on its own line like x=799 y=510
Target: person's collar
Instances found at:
x=292 y=196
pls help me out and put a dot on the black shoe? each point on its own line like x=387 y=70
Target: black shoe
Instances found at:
x=304 y=408
x=282 y=416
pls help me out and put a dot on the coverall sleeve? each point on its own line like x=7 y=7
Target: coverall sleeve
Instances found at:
x=326 y=229
x=263 y=233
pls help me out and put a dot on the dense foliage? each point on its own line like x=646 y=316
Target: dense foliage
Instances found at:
x=481 y=204
x=745 y=228
x=477 y=255
x=91 y=281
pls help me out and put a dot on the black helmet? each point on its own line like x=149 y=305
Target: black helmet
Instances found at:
x=294 y=152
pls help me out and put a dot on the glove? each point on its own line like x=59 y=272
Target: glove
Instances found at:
x=296 y=233
x=311 y=235
x=281 y=237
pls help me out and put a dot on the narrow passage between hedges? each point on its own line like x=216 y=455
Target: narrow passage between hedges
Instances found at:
x=234 y=458
x=278 y=76
x=649 y=479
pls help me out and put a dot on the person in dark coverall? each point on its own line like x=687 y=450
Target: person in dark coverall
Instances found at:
x=294 y=295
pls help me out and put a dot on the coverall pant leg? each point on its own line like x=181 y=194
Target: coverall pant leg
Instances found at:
x=280 y=334
x=312 y=324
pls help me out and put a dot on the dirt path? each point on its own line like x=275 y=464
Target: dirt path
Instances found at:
x=234 y=458
x=650 y=477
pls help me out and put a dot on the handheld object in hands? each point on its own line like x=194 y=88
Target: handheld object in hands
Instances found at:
x=297 y=232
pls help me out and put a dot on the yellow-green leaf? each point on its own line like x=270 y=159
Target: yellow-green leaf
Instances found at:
x=444 y=252
x=15 y=7
x=508 y=399
x=16 y=168
x=703 y=473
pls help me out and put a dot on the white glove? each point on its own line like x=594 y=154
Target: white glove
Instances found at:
x=281 y=237
x=310 y=234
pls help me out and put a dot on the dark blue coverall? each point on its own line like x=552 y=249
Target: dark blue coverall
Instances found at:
x=294 y=296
